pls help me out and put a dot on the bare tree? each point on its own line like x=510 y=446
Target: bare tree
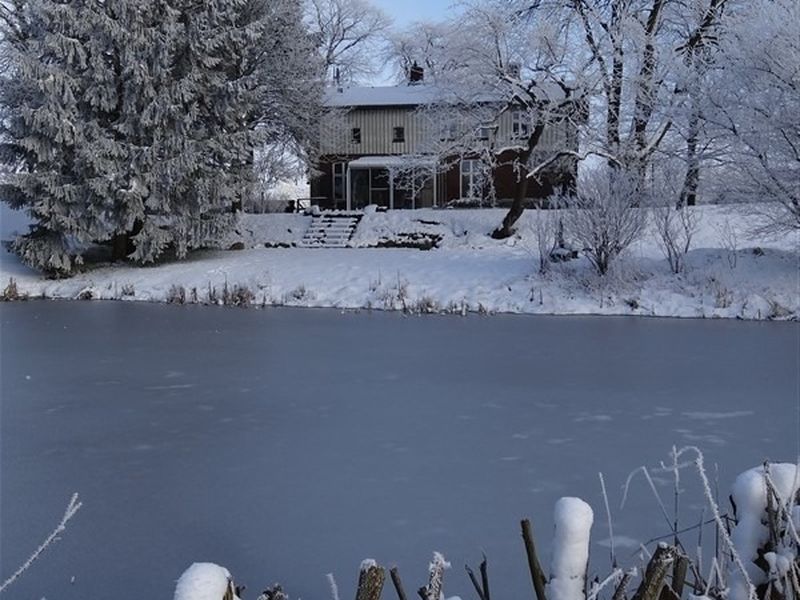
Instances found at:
x=674 y=222
x=755 y=101
x=425 y=44
x=675 y=228
x=349 y=35
x=499 y=59
x=547 y=227
x=602 y=219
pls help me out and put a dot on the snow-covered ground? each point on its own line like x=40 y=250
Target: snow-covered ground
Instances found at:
x=728 y=274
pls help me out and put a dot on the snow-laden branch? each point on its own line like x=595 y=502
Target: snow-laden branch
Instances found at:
x=72 y=508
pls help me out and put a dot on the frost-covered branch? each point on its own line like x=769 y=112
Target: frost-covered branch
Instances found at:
x=73 y=507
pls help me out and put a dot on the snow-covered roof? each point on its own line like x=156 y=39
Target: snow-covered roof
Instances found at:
x=386 y=95
x=427 y=93
x=416 y=95
x=391 y=161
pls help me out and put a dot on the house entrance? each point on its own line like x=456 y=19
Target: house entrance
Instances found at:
x=369 y=186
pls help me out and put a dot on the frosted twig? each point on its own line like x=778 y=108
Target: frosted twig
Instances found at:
x=615 y=577
x=783 y=504
x=334 y=587
x=608 y=516
x=645 y=552
x=73 y=507
x=699 y=559
x=644 y=470
x=674 y=468
x=793 y=572
x=714 y=571
x=699 y=525
x=699 y=463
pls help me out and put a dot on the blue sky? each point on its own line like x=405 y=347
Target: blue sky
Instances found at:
x=405 y=12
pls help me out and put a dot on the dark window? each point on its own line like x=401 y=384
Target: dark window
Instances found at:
x=379 y=179
x=520 y=124
x=399 y=134
x=484 y=132
x=338 y=182
x=355 y=136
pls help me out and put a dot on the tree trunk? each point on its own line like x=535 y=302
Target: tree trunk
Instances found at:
x=614 y=89
x=644 y=103
x=688 y=195
x=506 y=229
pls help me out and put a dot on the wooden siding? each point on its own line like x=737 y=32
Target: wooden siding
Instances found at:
x=377 y=131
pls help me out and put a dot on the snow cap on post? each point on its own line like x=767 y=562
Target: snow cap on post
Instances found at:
x=749 y=494
x=573 y=525
x=205 y=581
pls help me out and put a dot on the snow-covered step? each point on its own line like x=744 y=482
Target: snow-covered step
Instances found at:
x=330 y=230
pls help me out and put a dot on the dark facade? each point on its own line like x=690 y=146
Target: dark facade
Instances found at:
x=456 y=184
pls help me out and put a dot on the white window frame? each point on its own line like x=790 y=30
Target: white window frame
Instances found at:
x=341 y=167
x=484 y=132
x=449 y=130
x=520 y=124
x=472 y=171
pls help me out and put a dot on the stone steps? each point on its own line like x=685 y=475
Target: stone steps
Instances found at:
x=330 y=230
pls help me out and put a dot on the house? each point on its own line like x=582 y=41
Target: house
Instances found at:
x=401 y=147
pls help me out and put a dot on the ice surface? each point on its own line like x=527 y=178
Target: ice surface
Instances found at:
x=287 y=444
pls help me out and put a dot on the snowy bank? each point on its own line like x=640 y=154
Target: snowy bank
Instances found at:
x=726 y=276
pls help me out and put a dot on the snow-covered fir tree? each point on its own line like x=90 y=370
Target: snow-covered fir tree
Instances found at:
x=134 y=122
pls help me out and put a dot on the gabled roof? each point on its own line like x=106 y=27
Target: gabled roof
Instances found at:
x=415 y=95
x=387 y=95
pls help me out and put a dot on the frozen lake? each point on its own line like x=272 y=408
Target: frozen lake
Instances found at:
x=287 y=444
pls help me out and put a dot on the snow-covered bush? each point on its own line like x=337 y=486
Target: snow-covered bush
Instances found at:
x=604 y=217
x=546 y=228
x=675 y=228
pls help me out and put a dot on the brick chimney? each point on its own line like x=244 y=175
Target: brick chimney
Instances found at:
x=416 y=74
